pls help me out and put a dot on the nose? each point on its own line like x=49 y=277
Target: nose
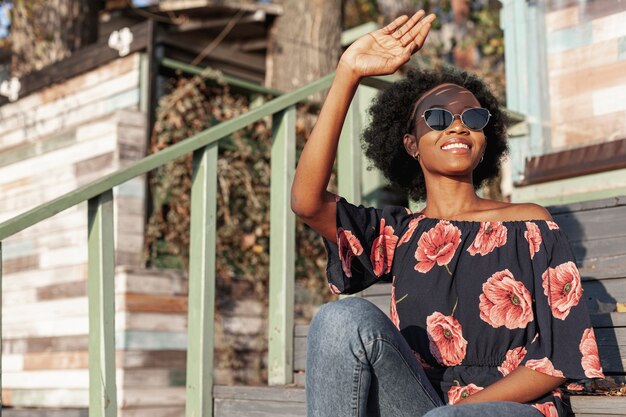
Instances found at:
x=457 y=125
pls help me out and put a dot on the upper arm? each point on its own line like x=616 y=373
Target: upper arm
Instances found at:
x=323 y=220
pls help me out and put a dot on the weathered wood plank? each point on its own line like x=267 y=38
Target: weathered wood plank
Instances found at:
x=151 y=359
x=27 y=412
x=151 y=397
x=146 y=303
x=163 y=411
x=68 y=107
x=51 y=398
x=602 y=295
x=284 y=394
x=161 y=322
x=238 y=408
x=45 y=344
x=47 y=379
x=591 y=224
x=149 y=281
x=150 y=340
x=615 y=406
x=153 y=377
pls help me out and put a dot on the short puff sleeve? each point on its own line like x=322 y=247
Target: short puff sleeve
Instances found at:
x=366 y=242
x=564 y=344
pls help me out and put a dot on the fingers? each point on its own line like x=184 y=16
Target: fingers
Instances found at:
x=413 y=34
x=391 y=27
x=409 y=25
x=421 y=36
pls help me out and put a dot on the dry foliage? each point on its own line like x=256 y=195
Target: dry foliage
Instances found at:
x=243 y=201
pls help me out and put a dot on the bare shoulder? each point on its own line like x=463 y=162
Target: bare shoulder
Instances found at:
x=526 y=211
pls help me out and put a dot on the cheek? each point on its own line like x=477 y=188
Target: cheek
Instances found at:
x=428 y=138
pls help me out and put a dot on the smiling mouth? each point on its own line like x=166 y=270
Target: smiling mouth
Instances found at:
x=455 y=146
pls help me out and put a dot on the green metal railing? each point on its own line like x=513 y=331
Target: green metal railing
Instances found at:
x=204 y=145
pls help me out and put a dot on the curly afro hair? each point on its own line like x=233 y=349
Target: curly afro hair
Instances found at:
x=382 y=139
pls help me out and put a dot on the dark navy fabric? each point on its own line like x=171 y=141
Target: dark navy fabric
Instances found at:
x=474 y=300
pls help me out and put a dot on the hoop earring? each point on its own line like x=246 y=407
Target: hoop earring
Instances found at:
x=416 y=156
x=481 y=158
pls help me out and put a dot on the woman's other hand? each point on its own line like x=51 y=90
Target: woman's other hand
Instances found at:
x=383 y=51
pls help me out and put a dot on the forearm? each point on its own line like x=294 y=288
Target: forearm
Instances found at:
x=318 y=156
x=522 y=385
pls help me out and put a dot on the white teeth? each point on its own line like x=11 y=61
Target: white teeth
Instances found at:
x=455 y=145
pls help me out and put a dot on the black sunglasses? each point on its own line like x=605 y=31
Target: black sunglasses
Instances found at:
x=440 y=119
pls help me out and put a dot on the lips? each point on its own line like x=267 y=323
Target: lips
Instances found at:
x=457 y=140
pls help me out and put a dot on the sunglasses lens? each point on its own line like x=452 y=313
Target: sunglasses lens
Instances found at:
x=438 y=119
x=475 y=119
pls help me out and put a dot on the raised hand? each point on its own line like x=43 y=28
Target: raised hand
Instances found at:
x=383 y=51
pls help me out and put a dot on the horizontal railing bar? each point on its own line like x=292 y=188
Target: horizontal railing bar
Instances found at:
x=204 y=138
x=237 y=82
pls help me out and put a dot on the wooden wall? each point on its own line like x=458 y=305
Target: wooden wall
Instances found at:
x=586 y=57
x=51 y=142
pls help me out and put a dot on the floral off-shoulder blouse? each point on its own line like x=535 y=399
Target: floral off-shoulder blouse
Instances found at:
x=473 y=299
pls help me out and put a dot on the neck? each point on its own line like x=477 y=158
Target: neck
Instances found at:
x=450 y=197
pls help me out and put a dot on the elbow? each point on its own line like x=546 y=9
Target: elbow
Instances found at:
x=302 y=208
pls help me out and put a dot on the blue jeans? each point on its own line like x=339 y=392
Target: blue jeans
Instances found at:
x=360 y=365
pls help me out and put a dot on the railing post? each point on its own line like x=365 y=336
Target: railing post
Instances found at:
x=201 y=307
x=349 y=158
x=282 y=249
x=349 y=154
x=101 y=294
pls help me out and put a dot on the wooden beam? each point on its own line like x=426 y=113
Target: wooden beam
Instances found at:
x=222 y=52
x=83 y=60
x=584 y=160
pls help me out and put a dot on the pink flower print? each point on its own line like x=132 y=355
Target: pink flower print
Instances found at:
x=490 y=236
x=544 y=366
x=349 y=246
x=512 y=360
x=383 y=249
x=393 y=312
x=408 y=211
x=421 y=360
x=337 y=197
x=447 y=344
x=552 y=225
x=557 y=393
x=437 y=245
x=563 y=288
x=505 y=302
x=547 y=409
x=458 y=393
x=574 y=387
x=533 y=236
x=590 y=360
x=334 y=289
x=409 y=231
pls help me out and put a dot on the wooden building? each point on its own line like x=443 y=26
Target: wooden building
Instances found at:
x=73 y=122
x=566 y=70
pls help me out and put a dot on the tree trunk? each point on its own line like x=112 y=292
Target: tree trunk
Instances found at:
x=304 y=43
x=46 y=31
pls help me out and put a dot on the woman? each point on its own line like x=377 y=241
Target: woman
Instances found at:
x=487 y=316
